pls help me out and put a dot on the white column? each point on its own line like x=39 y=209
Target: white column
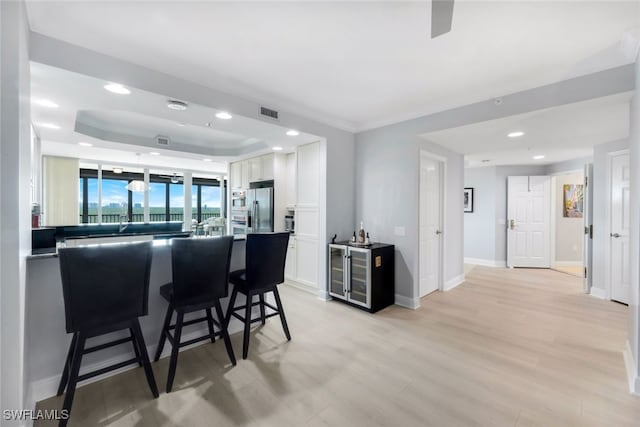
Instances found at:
x=187 y=201
x=99 y=194
x=632 y=352
x=147 y=208
x=15 y=203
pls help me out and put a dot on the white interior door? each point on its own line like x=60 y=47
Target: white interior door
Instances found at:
x=587 y=257
x=619 y=234
x=529 y=214
x=430 y=224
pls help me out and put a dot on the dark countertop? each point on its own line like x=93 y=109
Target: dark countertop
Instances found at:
x=374 y=245
x=158 y=239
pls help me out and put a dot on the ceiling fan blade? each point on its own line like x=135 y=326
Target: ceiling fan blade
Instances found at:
x=441 y=17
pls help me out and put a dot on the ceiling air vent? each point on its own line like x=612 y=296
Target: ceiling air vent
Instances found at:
x=162 y=140
x=272 y=114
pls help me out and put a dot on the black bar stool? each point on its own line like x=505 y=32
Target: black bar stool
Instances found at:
x=105 y=289
x=200 y=278
x=264 y=270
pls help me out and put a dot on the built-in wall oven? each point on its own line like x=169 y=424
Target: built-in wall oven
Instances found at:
x=239 y=221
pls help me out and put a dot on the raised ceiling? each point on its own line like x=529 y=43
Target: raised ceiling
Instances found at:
x=119 y=126
x=559 y=133
x=355 y=64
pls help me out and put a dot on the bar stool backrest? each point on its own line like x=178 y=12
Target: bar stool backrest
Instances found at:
x=265 y=258
x=104 y=285
x=200 y=269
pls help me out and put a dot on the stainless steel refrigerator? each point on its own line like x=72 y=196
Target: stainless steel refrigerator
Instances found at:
x=260 y=209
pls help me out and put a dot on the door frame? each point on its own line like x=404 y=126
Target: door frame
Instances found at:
x=443 y=216
x=555 y=197
x=608 y=231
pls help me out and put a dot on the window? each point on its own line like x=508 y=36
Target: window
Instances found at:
x=176 y=201
x=157 y=202
x=115 y=198
x=166 y=199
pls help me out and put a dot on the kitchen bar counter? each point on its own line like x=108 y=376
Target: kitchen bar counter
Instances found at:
x=47 y=341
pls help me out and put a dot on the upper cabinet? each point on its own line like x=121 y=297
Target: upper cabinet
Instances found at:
x=308 y=171
x=244 y=183
x=235 y=175
x=261 y=168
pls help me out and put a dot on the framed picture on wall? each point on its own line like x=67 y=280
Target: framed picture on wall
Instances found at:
x=573 y=199
x=468 y=199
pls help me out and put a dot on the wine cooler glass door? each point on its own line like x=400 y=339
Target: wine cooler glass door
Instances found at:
x=360 y=280
x=337 y=274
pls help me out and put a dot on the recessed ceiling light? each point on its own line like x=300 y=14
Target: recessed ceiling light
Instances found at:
x=223 y=115
x=516 y=134
x=293 y=132
x=176 y=105
x=206 y=160
x=46 y=103
x=49 y=126
x=85 y=144
x=154 y=153
x=117 y=170
x=276 y=148
x=117 y=88
x=539 y=157
x=181 y=124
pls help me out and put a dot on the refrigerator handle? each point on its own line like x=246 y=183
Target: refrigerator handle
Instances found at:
x=257 y=208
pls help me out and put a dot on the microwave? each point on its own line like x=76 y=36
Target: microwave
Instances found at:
x=238 y=199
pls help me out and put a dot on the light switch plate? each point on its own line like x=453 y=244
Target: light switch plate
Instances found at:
x=398 y=231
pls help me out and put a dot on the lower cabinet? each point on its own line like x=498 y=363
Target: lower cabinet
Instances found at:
x=290 y=263
x=363 y=277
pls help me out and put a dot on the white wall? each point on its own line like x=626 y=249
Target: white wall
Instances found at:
x=15 y=197
x=600 y=206
x=480 y=225
x=569 y=232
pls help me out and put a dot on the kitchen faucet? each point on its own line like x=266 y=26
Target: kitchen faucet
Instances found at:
x=126 y=224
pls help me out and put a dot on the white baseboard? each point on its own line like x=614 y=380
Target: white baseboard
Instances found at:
x=598 y=293
x=406 y=302
x=311 y=288
x=323 y=295
x=452 y=283
x=632 y=372
x=567 y=264
x=486 y=262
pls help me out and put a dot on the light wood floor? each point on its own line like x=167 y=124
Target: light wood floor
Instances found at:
x=506 y=348
x=573 y=270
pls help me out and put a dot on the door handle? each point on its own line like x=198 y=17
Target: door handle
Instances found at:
x=438 y=232
x=512 y=224
x=615 y=235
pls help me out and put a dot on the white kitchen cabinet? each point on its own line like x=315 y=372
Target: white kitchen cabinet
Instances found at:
x=235 y=173
x=244 y=174
x=261 y=168
x=255 y=169
x=290 y=263
x=308 y=186
x=267 y=166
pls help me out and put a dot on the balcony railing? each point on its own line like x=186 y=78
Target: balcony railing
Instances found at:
x=138 y=217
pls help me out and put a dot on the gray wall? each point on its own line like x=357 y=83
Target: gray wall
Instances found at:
x=480 y=225
x=15 y=193
x=569 y=232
